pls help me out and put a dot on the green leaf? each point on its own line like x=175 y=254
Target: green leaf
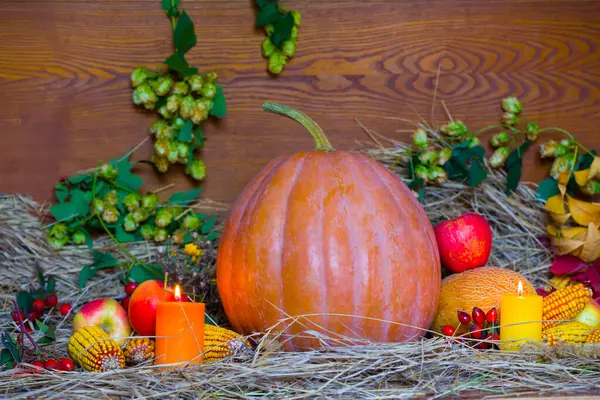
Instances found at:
x=167 y=4
x=79 y=178
x=64 y=212
x=81 y=200
x=269 y=14
x=184 y=37
x=178 y=63
x=40 y=275
x=467 y=163
x=198 y=134
x=187 y=238
x=140 y=273
x=585 y=160
x=514 y=167
x=122 y=235
x=261 y=3
x=129 y=181
x=102 y=260
x=86 y=274
x=161 y=102
x=219 y=108
x=185 y=134
x=49 y=337
x=50 y=284
x=208 y=225
x=546 y=189
x=41 y=326
x=24 y=301
x=183 y=198
x=11 y=345
x=213 y=236
x=62 y=192
x=6 y=358
x=283 y=31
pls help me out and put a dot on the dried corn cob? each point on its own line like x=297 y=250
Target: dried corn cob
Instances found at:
x=138 y=350
x=559 y=282
x=573 y=332
x=220 y=343
x=594 y=336
x=94 y=350
x=564 y=304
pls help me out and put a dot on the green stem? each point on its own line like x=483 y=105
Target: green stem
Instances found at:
x=173 y=23
x=321 y=141
x=487 y=128
x=553 y=128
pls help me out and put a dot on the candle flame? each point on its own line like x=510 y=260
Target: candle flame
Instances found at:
x=177 y=293
x=520 y=288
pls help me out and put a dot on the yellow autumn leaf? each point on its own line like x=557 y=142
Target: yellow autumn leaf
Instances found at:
x=583 y=212
x=572 y=232
x=556 y=205
x=560 y=219
x=584 y=176
x=567 y=246
x=552 y=230
x=590 y=251
x=563 y=180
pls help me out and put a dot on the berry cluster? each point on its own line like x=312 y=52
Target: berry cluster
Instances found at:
x=38 y=307
x=482 y=328
x=62 y=364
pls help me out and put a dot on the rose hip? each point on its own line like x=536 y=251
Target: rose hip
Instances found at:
x=477 y=331
x=464 y=318
x=39 y=366
x=51 y=300
x=448 y=330
x=65 y=308
x=492 y=316
x=38 y=305
x=66 y=364
x=125 y=303
x=51 y=365
x=130 y=287
x=478 y=315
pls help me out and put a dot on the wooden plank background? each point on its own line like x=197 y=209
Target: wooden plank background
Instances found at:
x=66 y=101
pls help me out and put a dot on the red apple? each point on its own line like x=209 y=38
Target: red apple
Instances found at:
x=464 y=242
x=142 y=305
x=107 y=314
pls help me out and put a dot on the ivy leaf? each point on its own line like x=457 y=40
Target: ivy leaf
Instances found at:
x=546 y=189
x=64 y=211
x=184 y=37
x=24 y=301
x=10 y=344
x=129 y=181
x=183 y=198
x=467 y=163
x=81 y=200
x=208 y=225
x=61 y=191
x=6 y=358
x=283 y=31
x=219 y=108
x=185 y=134
x=269 y=14
x=178 y=63
x=140 y=273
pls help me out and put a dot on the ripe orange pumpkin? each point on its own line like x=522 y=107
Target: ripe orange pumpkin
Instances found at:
x=328 y=232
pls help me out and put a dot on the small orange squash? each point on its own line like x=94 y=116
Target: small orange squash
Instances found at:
x=480 y=287
x=328 y=232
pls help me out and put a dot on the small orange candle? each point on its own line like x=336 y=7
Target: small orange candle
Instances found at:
x=525 y=312
x=179 y=331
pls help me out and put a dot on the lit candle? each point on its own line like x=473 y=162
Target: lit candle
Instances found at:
x=524 y=314
x=179 y=331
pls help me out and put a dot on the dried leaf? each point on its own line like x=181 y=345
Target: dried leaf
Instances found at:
x=590 y=251
x=573 y=231
x=567 y=246
x=582 y=177
x=565 y=265
x=563 y=181
x=583 y=212
x=560 y=219
x=556 y=205
x=552 y=230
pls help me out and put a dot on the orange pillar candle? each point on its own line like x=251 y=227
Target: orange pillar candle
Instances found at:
x=179 y=331
x=524 y=314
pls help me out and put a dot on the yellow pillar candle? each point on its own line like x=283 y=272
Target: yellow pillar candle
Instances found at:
x=524 y=315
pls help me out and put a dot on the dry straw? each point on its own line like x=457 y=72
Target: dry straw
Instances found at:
x=431 y=367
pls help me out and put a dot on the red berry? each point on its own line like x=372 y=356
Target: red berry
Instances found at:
x=492 y=316
x=125 y=303
x=477 y=331
x=478 y=315
x=66 y=364
x=130 y=287
x=51 y=300
x=492 y=336
x=38 y=305
x=464 y=318
x=65 y=308
x=39 y=366
x=448 y=330
x=35 y=315
x=15 y=316
x=51 y=364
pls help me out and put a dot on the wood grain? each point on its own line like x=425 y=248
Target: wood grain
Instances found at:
x=66 y=101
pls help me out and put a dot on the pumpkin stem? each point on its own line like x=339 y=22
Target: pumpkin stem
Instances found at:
x=321 y=141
